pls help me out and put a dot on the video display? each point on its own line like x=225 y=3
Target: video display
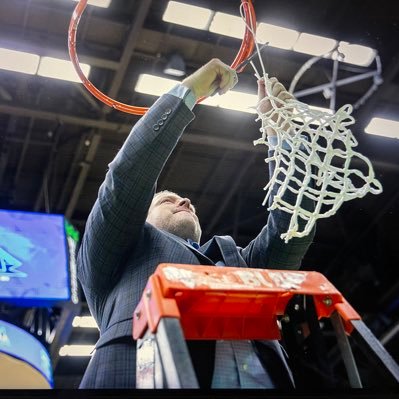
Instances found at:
x=33 y=258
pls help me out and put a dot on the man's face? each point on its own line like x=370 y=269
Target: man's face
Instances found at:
x=170 y=212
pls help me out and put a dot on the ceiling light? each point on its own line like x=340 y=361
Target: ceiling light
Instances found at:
x=234 y=100
x=313 y=44
x=277 y=36
x=60 y=69
x=175 y=66
x=383 y=127
x=238 y=101
x=98 y=3
x=187 y=15
x=154 y=85
x=18 y=61
x=212 y=101
x=356 y=54
x=76 y=350
x=228 y=25
x=84 y=322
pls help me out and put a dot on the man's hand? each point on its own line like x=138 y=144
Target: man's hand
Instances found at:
x=277 y=90
x=213 y=77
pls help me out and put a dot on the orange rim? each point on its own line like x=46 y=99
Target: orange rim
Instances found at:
x=244 y=52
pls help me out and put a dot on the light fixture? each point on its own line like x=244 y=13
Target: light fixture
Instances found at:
x=187 y=15
x=356 y=54
x=154 y=85
x=383 y=127
x=228 y=25
x=18 y=61
x=84 y=322
x=60 y=69
x=76 y=350
x=314 y=44
x=238 y=101
x=175 y=65
x=277 y=36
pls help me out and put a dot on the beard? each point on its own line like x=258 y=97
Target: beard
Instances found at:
x=183 y=227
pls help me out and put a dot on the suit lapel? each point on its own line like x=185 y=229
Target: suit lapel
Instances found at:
x=211 y=250
x=229 y=251
x=223 y=248
x=198 y=253
x=216 y=249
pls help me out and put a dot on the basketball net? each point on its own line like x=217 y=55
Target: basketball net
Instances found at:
x=314 y=160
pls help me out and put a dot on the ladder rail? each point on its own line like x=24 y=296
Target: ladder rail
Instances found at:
x=374 y=350
x=346 y=352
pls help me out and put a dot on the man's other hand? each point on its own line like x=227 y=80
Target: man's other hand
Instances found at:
x=278 y=91
x=213 y=77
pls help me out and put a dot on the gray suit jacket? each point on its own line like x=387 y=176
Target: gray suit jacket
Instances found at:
x=119 y=250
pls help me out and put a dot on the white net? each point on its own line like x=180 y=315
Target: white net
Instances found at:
x=314 y=159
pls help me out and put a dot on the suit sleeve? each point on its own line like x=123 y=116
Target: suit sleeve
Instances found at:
x=119 y=213
x=268 y=250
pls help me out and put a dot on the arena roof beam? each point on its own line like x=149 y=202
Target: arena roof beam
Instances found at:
x=84 y=171
x=78 y=154
x=194 y=137
x=25 y=146
x=137 y=25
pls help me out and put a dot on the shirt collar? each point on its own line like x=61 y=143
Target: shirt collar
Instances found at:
x=193 y=243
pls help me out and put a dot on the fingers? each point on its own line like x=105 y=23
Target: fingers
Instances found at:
x=213 y=77
x=278 y=90
x=214 y=89
x=228 y=79
x=273 y=90
x=274 y=95
x=261 y=89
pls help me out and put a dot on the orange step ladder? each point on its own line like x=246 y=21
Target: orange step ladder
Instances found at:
x=186 y=302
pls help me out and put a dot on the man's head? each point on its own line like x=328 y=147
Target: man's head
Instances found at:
x=170 y=212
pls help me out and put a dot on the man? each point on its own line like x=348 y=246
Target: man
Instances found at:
x=129 y=232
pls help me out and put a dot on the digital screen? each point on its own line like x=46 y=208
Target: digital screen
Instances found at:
x=33 y=258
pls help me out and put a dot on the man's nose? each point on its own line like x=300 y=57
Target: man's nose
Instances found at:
x=185 y=202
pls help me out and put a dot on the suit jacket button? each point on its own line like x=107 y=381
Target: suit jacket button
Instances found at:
x=164 y=117
x=168 y=111
x=156 y=127
x=160 y=122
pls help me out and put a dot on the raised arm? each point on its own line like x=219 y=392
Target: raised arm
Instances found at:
x=268 y=250
x=119 y=213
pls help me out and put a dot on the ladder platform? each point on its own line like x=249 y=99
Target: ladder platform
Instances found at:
x=235 y=303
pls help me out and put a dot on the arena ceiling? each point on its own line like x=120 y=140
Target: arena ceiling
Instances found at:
x=56 y=140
